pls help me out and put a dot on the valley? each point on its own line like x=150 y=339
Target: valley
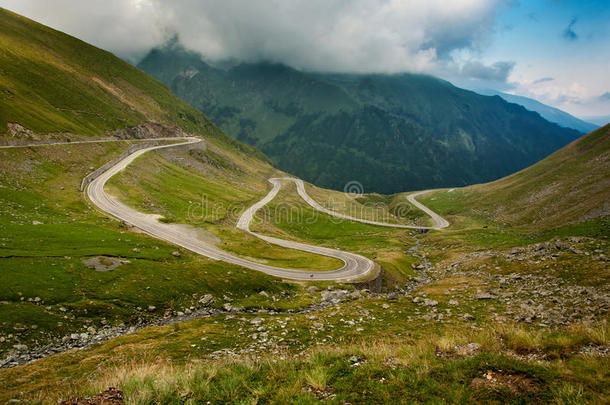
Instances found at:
x=148 y=257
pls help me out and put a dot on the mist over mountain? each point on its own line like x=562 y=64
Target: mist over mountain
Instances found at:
x=389 y=132
x=600 y=120
x=549 y=113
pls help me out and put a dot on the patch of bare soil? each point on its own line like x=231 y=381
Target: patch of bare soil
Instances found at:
x=517 y=384
x=103 y=263
x=111 y=396
x=147 y=130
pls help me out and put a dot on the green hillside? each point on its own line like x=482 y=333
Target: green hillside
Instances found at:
x=51 y=82
x=55 y=86
x=391 y=133
x=571 y=186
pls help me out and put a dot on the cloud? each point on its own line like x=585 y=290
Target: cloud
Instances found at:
x=497 y=72
x=575 y=97
x=128 y=28
x=334 y=35
x=569 y=32
x=543 y=80
x=323 y=35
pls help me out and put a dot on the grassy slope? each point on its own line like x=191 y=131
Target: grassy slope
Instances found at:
x=40 y=185
x=570 y=186
x=288 y=216
x=209 y=200
x=183 y=194
x=377 y=207
x=565 y=195
x=51 y=82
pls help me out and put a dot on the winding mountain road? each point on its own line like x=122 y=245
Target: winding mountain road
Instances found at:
x=355 y=266
x=439 y=222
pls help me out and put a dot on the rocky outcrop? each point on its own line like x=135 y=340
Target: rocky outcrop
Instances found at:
x=148 y=130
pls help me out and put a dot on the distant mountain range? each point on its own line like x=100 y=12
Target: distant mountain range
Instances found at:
x=549 y=113
x=599 y=120
x=389 y=132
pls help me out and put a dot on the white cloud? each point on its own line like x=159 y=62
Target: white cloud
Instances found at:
x=129 y=28
x=330 y=35
x=333 y=35
x=570 y=90
x=447 y=39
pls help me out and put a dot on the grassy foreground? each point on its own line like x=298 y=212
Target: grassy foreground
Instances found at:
x=438 y=368
x=236 y=357
x=452 y=363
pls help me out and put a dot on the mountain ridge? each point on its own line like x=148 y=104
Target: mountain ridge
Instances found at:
x=547 y=112
x=391 y=133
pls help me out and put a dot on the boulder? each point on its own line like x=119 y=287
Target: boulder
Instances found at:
x=206 y=300
x=256 y=321
x=430 y=303
x=485 y=296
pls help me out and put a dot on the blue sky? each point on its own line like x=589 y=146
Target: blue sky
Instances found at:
x=556 y=51
x=561 y=51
